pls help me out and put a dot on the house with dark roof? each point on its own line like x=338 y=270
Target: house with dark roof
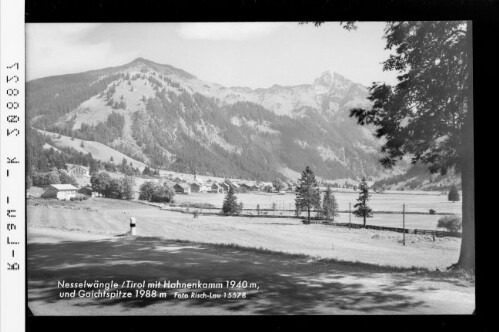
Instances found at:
x=182 y=188
x=245 y=186
x=225 y=187
x=199 y=187
x=169 y=184
x=60 y=191
x=89 y=191
x=216 y=189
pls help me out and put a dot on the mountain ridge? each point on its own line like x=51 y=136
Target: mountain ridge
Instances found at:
x=166 y=117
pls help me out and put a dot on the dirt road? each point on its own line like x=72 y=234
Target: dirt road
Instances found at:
x=285 y=284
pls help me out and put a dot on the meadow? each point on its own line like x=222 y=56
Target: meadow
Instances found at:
x=289 y=235
x=378 y=202
x=386 y=202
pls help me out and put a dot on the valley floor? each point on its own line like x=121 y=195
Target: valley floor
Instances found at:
x=111 y=217
x=298 y=269
x=284 y=285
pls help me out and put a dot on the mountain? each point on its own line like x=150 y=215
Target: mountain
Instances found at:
x=164 y=117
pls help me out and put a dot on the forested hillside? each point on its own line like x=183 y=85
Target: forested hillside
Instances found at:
x=167 y=118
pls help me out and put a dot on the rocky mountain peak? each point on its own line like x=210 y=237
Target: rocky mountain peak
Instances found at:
x=332 y=80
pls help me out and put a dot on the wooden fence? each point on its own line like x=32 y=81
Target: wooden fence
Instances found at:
x=315 y=220
x=436 y=233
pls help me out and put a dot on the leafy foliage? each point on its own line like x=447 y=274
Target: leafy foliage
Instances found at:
x=100 y=182
x=65 y=177
x=424 y=114
x=453 y=194
x=450 y=223
x=429 y=114
x=278 y=184
x=113 y=188
x=156 y=192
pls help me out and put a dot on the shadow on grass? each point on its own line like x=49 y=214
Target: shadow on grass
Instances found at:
x=288 y=284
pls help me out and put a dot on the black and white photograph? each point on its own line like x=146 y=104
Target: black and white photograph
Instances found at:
x=250 y=168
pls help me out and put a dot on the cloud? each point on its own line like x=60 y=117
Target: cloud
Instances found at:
x=226 y=31
x=55 y=49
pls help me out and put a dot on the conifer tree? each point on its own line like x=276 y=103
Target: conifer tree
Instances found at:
x=308 y=196
x=361 y=207
x=329 y=205
x=230 y=206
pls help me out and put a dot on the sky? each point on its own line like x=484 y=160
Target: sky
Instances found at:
x=254 y=54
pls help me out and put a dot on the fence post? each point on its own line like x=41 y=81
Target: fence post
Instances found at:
x=132 y=226
x=403 y=223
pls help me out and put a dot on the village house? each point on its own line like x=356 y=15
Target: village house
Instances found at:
x=182 y=188
x=199 y=187
x=225 y=187
x=216 y=189
x=88 y=191
x=245 y=186
x=195 y=187
x=254 y=187
x=78 y=170
x=60 y=191
x=268 y=188
x=261 y=186
x=169 y=184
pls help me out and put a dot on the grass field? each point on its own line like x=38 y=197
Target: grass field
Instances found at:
x=111 y=217
x=378 y=202
x=283 y=284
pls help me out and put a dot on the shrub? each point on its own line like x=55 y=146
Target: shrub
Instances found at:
x=453 y=194
x=432 y=211
x=79 y=197
x=155 y=192
x=147 y=189
x=196 y=213
x=451 y=222
x=198 y=205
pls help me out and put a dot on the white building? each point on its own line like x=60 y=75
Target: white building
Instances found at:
x=60 y=191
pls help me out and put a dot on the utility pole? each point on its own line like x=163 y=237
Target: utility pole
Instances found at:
x=403 y=223
x=349 y=215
